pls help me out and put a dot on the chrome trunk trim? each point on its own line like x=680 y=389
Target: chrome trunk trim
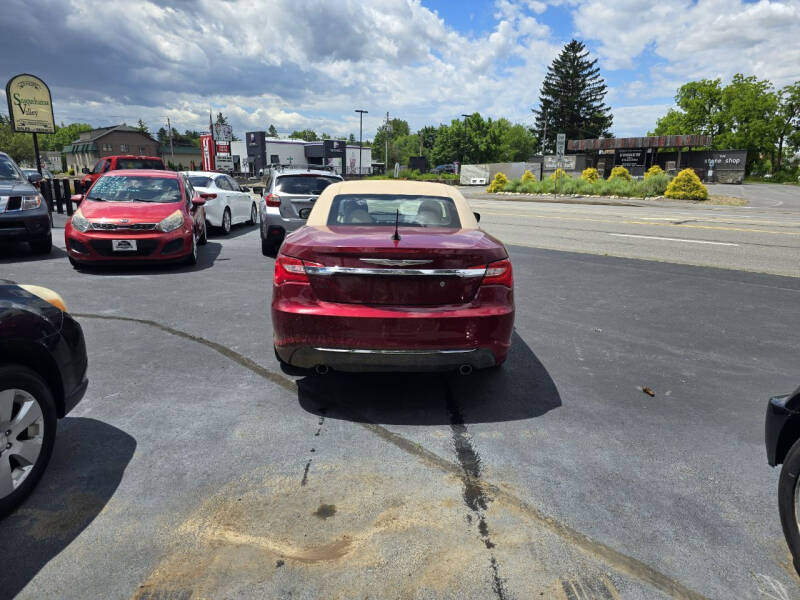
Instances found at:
x=325 y=271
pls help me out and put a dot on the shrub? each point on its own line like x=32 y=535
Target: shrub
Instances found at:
x=619 y=173
x=515 y=185
x=590 y=175
x=655 y=184
x=528 y=176
x=498 y=183
x=654 y=170
x=559 y=174
x=71 y=171
x=686 y=186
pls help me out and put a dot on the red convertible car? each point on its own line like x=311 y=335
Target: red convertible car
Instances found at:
x=390 y=275
x=137 y=215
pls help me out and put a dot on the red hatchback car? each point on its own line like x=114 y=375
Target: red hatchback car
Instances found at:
x=137 y=215
x=392 y=276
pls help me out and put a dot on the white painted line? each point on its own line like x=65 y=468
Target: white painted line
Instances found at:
x=654 y=237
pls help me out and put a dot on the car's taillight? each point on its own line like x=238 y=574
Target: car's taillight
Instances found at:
x=499 y=273
x=273 y=200
x=291 y=270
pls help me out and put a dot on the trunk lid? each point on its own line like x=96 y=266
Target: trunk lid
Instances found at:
x=364 y=265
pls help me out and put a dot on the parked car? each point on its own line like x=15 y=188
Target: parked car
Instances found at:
x=286 y=193
x=137 y=216
x=24 y=216
x=392 y=275
x=782 y=437
x=439 y=169
x=115 y=163
x=42 y=377
x=45 y=174
x=226 y=202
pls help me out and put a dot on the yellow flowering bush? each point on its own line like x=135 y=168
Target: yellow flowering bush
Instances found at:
x=590 y=174
x=687 y=186
x=559 y=174
x=654 y=170
x=619 y=173
x=528 y=176
x=499 y=182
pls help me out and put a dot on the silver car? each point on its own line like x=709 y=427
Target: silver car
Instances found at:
x=286 y=193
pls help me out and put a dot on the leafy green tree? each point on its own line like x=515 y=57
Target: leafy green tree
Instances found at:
x=272 y=132
x=64 y=135
x=351 y=139
x=221 y=119
x=18 y=146
x=306 y=134
x=398 y=128
x=673 y=123
x=572 y=98
x=787 y=118
x=324 y=136
x=142 y=127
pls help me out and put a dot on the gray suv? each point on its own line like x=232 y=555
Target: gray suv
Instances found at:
x=286 y=193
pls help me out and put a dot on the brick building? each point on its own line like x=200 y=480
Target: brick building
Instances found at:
x=93 y=145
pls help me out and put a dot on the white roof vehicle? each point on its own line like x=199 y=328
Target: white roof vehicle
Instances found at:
x=227 y=204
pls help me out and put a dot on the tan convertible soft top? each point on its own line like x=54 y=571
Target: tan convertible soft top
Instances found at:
x=319 y=214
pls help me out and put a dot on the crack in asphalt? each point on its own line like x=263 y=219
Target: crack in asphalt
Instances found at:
x=619 y=561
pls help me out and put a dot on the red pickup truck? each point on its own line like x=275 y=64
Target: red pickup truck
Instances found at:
x=125 y=161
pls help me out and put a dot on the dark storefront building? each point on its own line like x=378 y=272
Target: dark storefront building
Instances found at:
x=640 y=153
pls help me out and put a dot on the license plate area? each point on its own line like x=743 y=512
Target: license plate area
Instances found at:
x=123 y=245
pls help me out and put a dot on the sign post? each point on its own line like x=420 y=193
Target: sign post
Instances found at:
x=30 y=108
x=561 y=142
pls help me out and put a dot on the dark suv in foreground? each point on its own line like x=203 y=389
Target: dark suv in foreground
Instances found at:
x=24 y=216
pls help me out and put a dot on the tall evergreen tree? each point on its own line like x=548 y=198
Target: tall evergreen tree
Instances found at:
x=572 y=99
x=272 y=132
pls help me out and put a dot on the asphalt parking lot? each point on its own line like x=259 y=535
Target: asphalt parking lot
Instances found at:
x=195 y=468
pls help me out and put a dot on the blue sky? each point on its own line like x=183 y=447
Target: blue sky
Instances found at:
x=309 y=63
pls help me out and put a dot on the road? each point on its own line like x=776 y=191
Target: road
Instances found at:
x=195 y=468
x=762 y=237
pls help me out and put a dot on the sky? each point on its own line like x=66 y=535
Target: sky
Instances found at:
x=301 y=64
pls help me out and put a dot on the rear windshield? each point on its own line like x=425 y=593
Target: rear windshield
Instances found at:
x=303 y=184
x=131 y=188
x=139 y=163
x=200 y=181
x=383 y=209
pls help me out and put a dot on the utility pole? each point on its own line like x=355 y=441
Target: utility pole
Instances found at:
x=463 y=152
x=388 y=131
x=171 y=149
x=360 y=134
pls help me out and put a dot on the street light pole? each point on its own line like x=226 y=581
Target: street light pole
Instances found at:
x=465 y=140
x=360 y=133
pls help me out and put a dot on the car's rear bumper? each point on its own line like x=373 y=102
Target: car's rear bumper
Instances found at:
x=277 y=226
x=363 y=359
x=355 y=337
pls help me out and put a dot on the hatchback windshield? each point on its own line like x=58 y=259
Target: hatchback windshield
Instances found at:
x=384 y=209
x=8 y=170
x=200 y=181
x=303 y=184
x=139 y=163
x=132 y=188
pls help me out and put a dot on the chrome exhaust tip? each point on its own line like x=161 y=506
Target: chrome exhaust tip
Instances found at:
x=465 y=369
x=321 y=369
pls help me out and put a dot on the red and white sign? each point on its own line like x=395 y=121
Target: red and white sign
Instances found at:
x=207 y=146
x=223 y=148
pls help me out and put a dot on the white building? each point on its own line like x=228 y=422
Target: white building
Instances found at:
x=262 y=151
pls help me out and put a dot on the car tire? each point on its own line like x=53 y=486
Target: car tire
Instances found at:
x=204 y=237
x=789 y=501
x=225 y=226
x=43 y=246
x=268 y=248
x=253 y=214
x=30 y=387
x=191 y=260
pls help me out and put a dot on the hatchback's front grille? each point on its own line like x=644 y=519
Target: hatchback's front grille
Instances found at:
x=123 y=226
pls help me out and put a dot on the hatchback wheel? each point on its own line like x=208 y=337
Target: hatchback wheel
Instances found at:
x=226 y=222
x=204 y=236
x=253 y=215
x=27 y=433
x=192 y=258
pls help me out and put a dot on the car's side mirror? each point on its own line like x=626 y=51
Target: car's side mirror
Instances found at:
x=77 y=198
x=200 y=200
x=477 y=216
x=35 y=177
x=85 y=170
x=304 y=212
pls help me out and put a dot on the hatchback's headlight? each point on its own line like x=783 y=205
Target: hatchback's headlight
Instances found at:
x=80 y=222
x=31 y=202
x=171 y=223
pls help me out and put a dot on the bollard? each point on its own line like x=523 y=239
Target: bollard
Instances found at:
x=47 y=192
x=67 y=196
x=57 y=196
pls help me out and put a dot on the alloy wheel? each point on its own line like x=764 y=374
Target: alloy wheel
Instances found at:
x=226 y=221
x=21 y=437
x=253 y=215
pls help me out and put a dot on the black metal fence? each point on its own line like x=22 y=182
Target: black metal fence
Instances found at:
x=58 y=194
